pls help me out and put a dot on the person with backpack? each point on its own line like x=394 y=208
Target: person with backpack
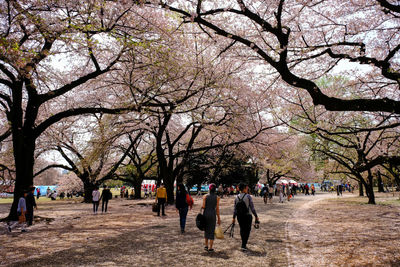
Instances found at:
x=243 y=205
x=182 y=204
x=106 y=195
x=211 y=212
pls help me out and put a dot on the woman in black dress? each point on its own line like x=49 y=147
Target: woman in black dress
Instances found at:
x=211 y=211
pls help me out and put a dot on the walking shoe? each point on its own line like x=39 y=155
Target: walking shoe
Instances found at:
x=23 y=231
x=206 y=248
x=211 y=250
x=243 y=249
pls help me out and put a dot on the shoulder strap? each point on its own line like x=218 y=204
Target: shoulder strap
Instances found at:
x=242 y=197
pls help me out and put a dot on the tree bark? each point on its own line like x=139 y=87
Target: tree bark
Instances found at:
x=88 y=188
x=137 y=185
x=169 y=185
x=370 y=189
x=380 y=183
x=24 y=148
x=360 y=189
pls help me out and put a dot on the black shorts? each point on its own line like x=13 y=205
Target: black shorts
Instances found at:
x=270 y=195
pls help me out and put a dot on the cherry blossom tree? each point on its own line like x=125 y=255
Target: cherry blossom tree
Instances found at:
x=52 y=55
x=90 y=150
x=357 y=141
x=299 y=41
x=203 y=102
x=142 y=161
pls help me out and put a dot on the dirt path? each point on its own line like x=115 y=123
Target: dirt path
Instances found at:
x=291 y=234
x=344 y=231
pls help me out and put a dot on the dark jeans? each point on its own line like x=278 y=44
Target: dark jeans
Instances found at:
x=182 y=217
x=104 y=203
x=95 y=206
x=29 y=217
x=161 y=203
x=245 y=228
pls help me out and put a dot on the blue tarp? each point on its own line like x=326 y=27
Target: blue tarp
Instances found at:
x=43 y=189
x=204 y=188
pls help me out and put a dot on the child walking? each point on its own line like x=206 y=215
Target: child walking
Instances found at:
x=21 y=211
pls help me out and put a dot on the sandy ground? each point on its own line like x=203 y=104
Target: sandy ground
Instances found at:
x=323 y=230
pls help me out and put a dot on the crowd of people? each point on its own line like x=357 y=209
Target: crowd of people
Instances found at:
x=243 y=205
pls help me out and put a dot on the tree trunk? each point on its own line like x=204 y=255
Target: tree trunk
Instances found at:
x=371 y=195
x=137 y=185
x=24 y=148
x=360 y=189
x=370 y=189
x=380 y=183
x=88 y=188
x=169 y=185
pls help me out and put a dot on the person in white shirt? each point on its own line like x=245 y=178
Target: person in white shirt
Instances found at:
x=95 y=199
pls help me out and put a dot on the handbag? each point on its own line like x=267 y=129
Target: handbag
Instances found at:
x=21 y=218
x=218 y=232
x=155 y=207
x=201 y=221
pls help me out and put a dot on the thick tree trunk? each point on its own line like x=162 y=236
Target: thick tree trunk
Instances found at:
x=169 y=185
x=137 y=185
x=371 y=195
x=380 y=183
x=24 y=148
x=88 y=188
x=360 y=189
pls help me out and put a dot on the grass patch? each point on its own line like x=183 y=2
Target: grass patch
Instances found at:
x=42 y=200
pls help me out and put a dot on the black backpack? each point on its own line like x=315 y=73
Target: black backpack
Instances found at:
x=241 y=208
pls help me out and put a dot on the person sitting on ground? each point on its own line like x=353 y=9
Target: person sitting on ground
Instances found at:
x=53 y=195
